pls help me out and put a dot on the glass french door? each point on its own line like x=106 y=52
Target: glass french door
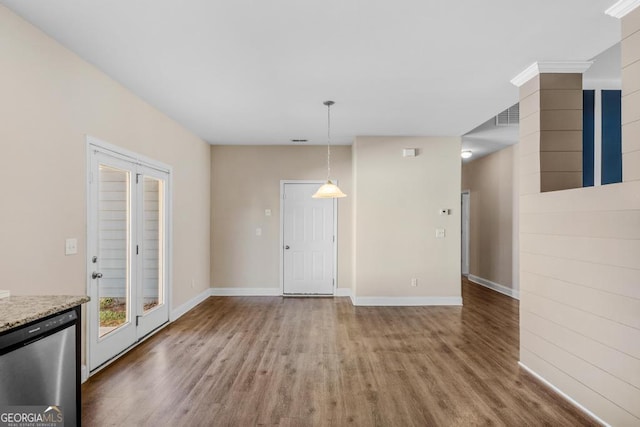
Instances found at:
x=127 y=249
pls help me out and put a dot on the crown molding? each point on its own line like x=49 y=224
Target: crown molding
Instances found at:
x=621 y=8
x=550 y=67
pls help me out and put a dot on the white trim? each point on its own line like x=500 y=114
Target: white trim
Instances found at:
x=246 y=292
x=93 y=147
x=597 y=138
x=550 y=67
x=494 y=286
x=621 y=8
x=84 y=374
x=128 y=155
x=343 y=292
x=525 y=75
x=405 y=301
x=602 y=84
x=562 y=394
x=335 y=230
x=182 y=309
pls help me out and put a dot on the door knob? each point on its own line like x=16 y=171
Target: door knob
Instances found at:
x=286 y=247
x=96 y=275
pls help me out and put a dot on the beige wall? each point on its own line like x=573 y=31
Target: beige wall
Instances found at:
x=396 y=214
x=490 y=180
x=551 y=132
x=245 y=180
x=580 y=285
x=50 y=100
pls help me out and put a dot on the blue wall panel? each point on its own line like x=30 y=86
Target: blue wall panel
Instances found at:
x=588 y=97
x=611 y=136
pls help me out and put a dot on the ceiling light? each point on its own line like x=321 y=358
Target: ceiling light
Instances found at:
x=465 y=154
x=328 y=190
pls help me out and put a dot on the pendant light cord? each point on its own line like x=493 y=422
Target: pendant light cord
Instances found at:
x=328 y=142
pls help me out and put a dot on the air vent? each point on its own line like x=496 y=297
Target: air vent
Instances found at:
x=509 y=117
x=299 y=140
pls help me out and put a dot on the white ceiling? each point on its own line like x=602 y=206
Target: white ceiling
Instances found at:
x=257 y=72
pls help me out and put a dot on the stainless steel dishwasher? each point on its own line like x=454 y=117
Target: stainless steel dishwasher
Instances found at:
x=38 y=365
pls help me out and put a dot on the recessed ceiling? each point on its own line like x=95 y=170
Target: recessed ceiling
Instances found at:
x=257 y=72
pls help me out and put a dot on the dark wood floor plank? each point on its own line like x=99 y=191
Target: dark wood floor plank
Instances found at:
x=241 y=361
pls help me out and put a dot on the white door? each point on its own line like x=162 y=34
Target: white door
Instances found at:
x=127 y=250
x=308 y=241
x=465 y=232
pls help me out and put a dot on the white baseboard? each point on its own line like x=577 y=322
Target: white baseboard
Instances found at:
x=246 y=292
x=405 y=301
x=84 y=374
x=263 y=292
x=343 y=292
x=183 y=308
x=513 y=293
x=563 y=394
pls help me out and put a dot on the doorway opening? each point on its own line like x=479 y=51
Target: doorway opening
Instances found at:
x=465 y=203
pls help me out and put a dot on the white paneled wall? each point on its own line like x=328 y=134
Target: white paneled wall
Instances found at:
x=580 y=295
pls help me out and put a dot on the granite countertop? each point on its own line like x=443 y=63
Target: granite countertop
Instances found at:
x=20 y=310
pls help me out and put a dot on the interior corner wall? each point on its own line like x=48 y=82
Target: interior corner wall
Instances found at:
x=245 y=180
x=490 y=180
x=51 y=99
x=397 y=204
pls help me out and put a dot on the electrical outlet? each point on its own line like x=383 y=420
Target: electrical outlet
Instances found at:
x=414 y=282
x=193 y=283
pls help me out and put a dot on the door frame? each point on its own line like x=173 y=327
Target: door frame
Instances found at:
x=465 y=244
x=98 y=145
x=283 y=182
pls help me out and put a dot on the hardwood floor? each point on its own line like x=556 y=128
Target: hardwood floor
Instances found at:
x=244 y=361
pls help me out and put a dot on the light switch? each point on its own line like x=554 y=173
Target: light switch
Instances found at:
x=71 y=246
x=267 y=212
x=440 y=233
x=258 y=231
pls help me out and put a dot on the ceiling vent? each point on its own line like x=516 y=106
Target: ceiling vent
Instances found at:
x=509 y=117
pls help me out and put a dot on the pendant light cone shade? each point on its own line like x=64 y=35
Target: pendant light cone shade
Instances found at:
x=328 y=190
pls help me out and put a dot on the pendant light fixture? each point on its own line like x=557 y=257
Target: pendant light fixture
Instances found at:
x=328 y=190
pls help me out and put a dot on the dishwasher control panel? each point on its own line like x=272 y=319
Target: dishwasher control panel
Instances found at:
x=25 y=334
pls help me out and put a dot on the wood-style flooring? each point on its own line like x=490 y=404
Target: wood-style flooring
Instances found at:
x=244 y=361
